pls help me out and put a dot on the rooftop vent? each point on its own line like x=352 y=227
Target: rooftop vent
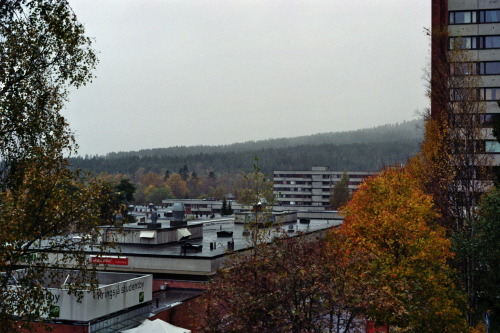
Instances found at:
x=178 y=211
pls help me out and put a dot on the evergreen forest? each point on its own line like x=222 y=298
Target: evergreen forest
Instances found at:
x=219 y=171
x=362 y=150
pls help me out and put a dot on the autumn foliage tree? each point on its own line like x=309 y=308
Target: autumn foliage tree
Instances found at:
x=390 y=223
x=294 y=284
x=43 y=204
x=453 y=165
x=177 y=186
x=50 y=211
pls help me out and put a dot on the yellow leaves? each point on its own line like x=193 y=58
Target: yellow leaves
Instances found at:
x=177 y=185
x=389 y=226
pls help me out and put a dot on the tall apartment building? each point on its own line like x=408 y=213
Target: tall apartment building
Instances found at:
x=311 y=189
x=475 y=24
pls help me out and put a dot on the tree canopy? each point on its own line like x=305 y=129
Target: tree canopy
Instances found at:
x=340 y=193
x=43 y=52
x=44 y=206
x=390 y=223
x=453 y=164
x=483 y=247
x=294 y=284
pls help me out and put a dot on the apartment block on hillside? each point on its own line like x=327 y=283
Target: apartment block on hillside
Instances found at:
x=311 y=189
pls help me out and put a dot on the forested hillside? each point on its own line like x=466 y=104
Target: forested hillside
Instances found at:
x=216 y=171
x=365 y=149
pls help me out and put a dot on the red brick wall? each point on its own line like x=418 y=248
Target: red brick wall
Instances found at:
x=57 y=328
x=188 y=315
x=439 y=45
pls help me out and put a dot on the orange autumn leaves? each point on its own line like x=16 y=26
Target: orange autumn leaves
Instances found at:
x=389 y=224
x=390 y=216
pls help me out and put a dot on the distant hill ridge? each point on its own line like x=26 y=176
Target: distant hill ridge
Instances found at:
x=405 y=131
x=362 y=150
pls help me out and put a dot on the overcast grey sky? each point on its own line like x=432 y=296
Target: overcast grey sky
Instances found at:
x=188 y=72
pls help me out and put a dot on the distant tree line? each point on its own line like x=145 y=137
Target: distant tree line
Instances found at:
x=408 y=130
x=216 y=171
x=357 y=156
x=366 y=150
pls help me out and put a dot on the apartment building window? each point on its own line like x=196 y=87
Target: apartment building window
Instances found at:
x=463 y=43
x=475 y=42
x=458 y=94
x=490 y=94
x=472 y=68
x=467 y=17
x=489 y=16
x=492 y=147
x=475 y=16
x=491 y=42
x=488 y=119
x=489 y=68
x=464 y=68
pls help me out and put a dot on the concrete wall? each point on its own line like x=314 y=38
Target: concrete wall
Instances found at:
x=319 y=215
x=170 y=265
x=105 y=300
x=473 y=4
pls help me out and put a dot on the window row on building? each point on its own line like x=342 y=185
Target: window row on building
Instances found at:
x=475 y=42
x=487 y=94
x=487 y=146
x=486 y=119
x=311 y=188
x=476 y=68
x=492 y=147
x=474 y=16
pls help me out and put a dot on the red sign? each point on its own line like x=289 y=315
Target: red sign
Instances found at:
x=110 y=260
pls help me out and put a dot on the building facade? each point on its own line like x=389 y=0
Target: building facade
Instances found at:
x=311 y=189
x=120 y=301
x=474 y=26
x=204 y=207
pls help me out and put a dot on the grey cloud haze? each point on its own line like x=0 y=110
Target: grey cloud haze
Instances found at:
x=186 y=72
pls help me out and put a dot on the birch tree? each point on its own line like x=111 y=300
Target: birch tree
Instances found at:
x=44 y=206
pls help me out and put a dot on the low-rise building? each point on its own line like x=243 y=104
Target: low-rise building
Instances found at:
x=120 y=301
x=181 y=257
x=205 y=207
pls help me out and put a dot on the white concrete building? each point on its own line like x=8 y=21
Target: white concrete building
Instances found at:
x=311 y=189
x=120 y=301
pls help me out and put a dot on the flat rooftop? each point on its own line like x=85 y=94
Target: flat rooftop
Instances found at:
x=210 y=229
x=208 y=254
x=57 y=278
